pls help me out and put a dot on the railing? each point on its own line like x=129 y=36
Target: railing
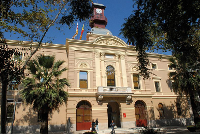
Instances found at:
x=114 y=90
x=12 y=92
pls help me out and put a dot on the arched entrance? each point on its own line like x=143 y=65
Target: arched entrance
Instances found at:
x=83 y=115
x=140 y=113
x=113 y=113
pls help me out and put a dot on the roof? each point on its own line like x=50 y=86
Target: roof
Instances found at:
x=99 y=5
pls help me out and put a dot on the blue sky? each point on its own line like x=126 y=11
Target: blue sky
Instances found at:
x=116 y=11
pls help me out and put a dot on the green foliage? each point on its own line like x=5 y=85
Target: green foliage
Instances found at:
x=166 y=25
x=186 y=78
x=44 y=90
x=33 y=18
x=10 y=64
x=10 y=69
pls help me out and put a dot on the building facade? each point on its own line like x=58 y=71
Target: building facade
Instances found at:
x=105 y=84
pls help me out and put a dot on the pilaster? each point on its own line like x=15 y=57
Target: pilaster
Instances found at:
x=123 y=70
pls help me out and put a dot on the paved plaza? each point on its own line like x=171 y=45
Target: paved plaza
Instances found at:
x=136 y=130
x=161 y=130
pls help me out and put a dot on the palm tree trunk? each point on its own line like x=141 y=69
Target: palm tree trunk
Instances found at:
x=44 y=124
x=194 y=108
x=3 y=106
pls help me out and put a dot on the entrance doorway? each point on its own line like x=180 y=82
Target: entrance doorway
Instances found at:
x=83 y=115
x=113 y=113
x=140 y=113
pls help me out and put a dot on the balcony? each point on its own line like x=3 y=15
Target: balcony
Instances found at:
x=12 y=92
x=114 y=92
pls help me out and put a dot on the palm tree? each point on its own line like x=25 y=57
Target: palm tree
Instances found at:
x=186 y=82
x=44 y=88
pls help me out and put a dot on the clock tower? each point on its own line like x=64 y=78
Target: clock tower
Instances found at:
x=98 y=19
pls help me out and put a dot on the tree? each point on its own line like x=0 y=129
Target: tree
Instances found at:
x=10 y=69
x=186 y=82
x=170 y=26
x=32 y=19
x=44 y=90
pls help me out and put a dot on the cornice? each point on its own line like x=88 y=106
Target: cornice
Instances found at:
x=82 y=94
x=34 y=44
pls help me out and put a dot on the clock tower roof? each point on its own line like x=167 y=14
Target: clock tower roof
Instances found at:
x=99 y=5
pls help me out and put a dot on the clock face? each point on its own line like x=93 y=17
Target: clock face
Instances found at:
x=99 y=11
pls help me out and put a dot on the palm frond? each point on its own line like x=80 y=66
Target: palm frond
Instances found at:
x=45 y=89
x=46 y=61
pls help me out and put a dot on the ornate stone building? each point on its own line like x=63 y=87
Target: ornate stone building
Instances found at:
x=105 y=84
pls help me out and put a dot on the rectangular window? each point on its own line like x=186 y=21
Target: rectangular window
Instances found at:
x=154 y=66
x=136 y=81
x=109 y=56
x=83 y=82
x=10 y=111
x=157 y=86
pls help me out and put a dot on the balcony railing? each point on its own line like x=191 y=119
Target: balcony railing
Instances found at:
x=12 y=92
x=114 y=90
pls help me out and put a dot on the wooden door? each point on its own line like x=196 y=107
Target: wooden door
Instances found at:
x=140 y=113
x=83 y=118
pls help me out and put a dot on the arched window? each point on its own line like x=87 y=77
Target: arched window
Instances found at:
x=110 y=70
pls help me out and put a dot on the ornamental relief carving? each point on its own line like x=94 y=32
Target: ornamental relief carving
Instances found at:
x=83 y=64
x=110 y=42
x=122 y=56
x=132 y=67
x=97 y=54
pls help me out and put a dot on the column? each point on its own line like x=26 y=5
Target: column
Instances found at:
x=117 y=71
x=123 y=70
x=77 y=84
x=103 y=73
x=97 y=66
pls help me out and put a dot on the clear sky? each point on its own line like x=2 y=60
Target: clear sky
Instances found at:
x=116 y=11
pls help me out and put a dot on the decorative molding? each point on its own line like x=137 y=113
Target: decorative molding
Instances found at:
x=110 y=63
x=83 y=65
x=116 y=56
x=122 y=56
x=102 y=55
x=97 y=54
x=110 y=41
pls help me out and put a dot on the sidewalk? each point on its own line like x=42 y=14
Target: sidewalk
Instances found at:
x=161 y=130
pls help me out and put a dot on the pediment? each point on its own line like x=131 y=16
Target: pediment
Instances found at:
x=110 y=41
